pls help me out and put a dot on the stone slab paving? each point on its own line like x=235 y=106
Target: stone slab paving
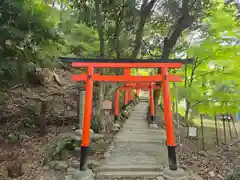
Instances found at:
x=137 y=152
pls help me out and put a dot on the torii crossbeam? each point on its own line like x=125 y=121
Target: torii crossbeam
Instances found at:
x=164 y=78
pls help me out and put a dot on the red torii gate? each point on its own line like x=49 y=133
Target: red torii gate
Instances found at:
x=90 y=64
x=143 y=86
x=138 y=86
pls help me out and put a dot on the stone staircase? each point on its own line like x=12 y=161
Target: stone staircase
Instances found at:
x=137 y=152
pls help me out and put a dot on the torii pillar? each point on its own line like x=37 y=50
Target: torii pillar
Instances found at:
x=169 y=121
x=128 y=93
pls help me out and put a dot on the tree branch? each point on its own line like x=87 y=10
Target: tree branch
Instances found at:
x=99 y=27
x=117 y=32
x=182 y=23
x=144 y=14
x=198 y=102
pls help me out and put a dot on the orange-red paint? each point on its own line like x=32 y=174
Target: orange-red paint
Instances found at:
x=87 y=109
x=127 y=72
x=130 y=94
x=116 y=108
x=125 y=78
x=138 y=87
x=167 y=109
x=151 y=99
x=125 y=97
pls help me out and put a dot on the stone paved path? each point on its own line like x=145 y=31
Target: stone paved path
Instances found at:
x=137 y=151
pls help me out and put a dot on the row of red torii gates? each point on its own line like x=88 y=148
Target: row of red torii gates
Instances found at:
x=131 y=82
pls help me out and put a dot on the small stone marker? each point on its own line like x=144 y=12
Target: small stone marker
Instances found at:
x=82 y=94
x=192 y=131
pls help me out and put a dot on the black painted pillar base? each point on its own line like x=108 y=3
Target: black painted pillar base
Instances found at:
x=131 y=102
x=83 y=158
x=124 y=106
x=172 y=158
x=115 y=118
x=153 y=119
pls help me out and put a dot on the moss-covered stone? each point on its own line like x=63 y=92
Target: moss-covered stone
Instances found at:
x=54 y=150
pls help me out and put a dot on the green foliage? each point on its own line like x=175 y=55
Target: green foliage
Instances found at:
x=82 y=41
x=33 y=34
x=211 y=84
x=26 y=32
x=234 y=176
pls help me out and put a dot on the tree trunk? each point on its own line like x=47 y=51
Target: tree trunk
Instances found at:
x=202 y=130
x=53 y=3
x=187 y=111
x=101 y=36
x=233 y=122
x=184 y=22
x=145 y=13
x=224 y=130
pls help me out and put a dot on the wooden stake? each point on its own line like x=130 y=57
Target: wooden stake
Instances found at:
x=224 y=129
x=229 y=126
x=216 y=128
x=203 y=145
x=234 y=125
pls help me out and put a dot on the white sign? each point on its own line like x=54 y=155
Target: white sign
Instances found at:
x=192 y=131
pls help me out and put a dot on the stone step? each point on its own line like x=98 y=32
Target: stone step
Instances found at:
x=127 y=167
x=137 y=151
x=140 y=136
x=135 y=118
x=136 y=123
x=124 y=163
x=143 y=132
x=128 y=133
x=132 y=133
x=138 y=118
x=129 y=174
x=134 y=127
x=140 y=110
x=141 y=140
x=147 y=131
x=134 y=157
x=142 y=120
